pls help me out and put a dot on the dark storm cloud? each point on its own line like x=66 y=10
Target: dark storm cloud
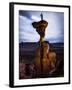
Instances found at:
x=25 y=14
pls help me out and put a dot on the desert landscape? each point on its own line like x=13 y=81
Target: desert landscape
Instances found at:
x=29 y=65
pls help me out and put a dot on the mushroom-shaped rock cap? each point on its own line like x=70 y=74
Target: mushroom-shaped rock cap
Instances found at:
x=41 y=23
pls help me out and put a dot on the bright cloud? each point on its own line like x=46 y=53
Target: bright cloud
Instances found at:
x=26 y=31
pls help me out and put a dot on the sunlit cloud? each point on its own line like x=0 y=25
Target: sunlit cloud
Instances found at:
x=26 y=31
x=35 y=18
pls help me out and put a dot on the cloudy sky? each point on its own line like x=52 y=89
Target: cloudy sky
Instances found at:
x=54 y=31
